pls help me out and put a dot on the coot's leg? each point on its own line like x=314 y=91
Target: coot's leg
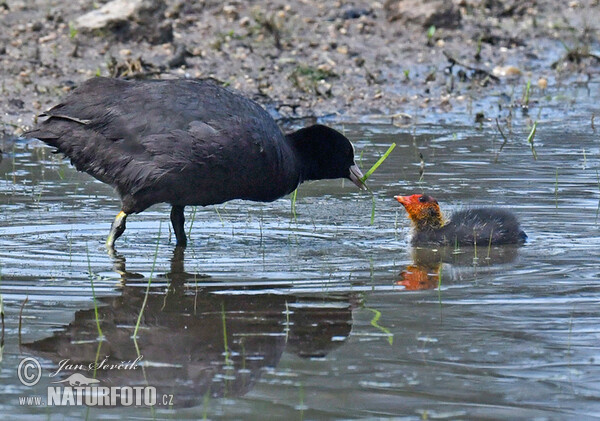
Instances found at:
x=117 y=228
x=177 y=219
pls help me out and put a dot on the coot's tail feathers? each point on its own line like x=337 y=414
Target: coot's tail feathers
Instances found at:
x=523 y=237
x=100 y=157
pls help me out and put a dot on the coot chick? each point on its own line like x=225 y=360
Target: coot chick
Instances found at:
x=187 y=142
x=468 y=227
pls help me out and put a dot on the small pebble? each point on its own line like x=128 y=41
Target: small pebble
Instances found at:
x=506 y=71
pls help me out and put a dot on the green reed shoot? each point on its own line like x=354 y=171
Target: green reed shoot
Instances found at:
x=475 y=258
x=193 y=218
x=21 y=316
x=287 y=321
x=224 y=323
x=456 y=246
x=504 y=140
x=525 y=100
x=91 y=275
x=72 y=30
x=530 y=140
x=375 y=324
x=219 y=215
x=371 y=171
x=205 y=403
x=294 y=195
x=378 y=163
x=139 y=319
x=430 y=34
x=439 y=287
x=421 y=168
x=478 y=50
x=373 y=209
x=490 y=244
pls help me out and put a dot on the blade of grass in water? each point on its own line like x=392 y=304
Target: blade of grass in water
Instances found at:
x=530 y=140
x=139 y=319
x=21 y=317
x=371 y=171
x=378 y=163
x=294 y=203
x=525 y=99
x=193 y=218
x=100 y=334
x=225 y=346
x=374 y=323
x=373 y=209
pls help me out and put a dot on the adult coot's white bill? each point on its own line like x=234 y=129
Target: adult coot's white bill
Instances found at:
x=187 y=142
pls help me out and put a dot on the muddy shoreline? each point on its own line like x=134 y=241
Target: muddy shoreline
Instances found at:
x=346 y=60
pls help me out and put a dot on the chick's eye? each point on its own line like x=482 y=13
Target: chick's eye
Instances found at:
x=423 y=199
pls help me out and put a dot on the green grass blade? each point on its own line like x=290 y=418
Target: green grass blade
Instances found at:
x=96 y=314
x=373 y=210
x=294 y=203
x=530 y=140
x=378 y=163
x=375 y=324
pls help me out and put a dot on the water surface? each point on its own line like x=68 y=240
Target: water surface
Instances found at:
x=321 y=315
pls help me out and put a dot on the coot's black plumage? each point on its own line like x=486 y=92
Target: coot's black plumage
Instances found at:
x=468 y=227
x=187 y=142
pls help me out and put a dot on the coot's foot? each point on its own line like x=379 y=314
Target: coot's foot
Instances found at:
x=117 y=228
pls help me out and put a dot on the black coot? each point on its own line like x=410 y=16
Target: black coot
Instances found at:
x=187 y=142
x=481 y=226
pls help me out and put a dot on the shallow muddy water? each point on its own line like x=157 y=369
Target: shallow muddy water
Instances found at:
x=324 y=315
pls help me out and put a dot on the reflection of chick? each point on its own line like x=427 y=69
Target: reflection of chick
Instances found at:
x=416 y=277
x=426 y=270
x=473 y=226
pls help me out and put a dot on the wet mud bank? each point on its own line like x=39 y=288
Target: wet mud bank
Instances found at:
x=402 y=61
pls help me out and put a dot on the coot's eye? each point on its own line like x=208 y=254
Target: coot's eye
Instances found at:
x=423 y=199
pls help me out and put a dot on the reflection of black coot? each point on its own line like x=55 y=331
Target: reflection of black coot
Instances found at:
x=187 y=142
x=318 y=328
x=182 y=338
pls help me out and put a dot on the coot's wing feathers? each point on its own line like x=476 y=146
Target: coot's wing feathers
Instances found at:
x=131 y=133
x=130 y=110
x=239 y=157
x=121 y=109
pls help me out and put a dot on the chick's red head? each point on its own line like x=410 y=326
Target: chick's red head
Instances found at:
x=423 y=210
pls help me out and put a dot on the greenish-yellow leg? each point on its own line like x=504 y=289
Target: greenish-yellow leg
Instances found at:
x=117 y=228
